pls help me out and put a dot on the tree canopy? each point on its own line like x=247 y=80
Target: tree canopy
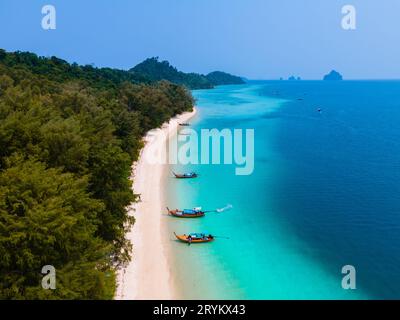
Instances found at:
x=218 y=78
x=156 y=70
x=68 y=137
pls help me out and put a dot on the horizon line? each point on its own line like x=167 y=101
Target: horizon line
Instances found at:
x=246 y=79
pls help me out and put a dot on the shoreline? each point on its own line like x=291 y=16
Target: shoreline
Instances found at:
x=148 y=275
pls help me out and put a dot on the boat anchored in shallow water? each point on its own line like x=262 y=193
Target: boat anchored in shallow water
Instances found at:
x=196 y=212
x=195 y=238
x=187 y=213
x=190 y=175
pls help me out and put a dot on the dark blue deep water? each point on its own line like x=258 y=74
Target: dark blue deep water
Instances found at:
x=341 y=190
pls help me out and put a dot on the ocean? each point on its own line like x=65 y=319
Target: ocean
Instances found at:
x=325 y=193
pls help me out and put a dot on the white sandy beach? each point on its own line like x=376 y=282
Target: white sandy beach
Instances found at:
x=148 y=274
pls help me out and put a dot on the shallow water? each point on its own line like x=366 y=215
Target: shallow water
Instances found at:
x=324 y=194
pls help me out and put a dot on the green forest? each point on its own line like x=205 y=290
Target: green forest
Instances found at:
x=156 y=70
x=68 y=137
x=218 y=78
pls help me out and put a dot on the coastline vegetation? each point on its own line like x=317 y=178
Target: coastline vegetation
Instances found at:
x=156 y=70
x=68 y=137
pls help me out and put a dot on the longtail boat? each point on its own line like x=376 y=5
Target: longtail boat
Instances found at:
x=184 y=124
x=187 y=213
x=189 y=175
x=195 y=238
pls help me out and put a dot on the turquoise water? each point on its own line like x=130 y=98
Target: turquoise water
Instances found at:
x=324 y=194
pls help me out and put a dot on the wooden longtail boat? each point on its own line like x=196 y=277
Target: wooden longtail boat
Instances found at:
x=195 y=238
x=184 y=124
x=187 y=213
x=189 y=175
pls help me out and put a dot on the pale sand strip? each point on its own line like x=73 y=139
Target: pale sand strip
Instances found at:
x=148 y=275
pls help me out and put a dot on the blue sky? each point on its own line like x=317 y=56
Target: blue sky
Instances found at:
x=258 y=39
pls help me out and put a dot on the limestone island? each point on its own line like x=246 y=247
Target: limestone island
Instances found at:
x=333 y=76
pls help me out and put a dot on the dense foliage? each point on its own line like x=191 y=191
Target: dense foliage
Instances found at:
x=68 y=137
x=157 y=70
x=218 y=78
x=61 y=70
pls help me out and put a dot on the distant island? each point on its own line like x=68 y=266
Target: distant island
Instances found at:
x=156 y=70
x=218 y=78
x=293 y=78
x=333 y=76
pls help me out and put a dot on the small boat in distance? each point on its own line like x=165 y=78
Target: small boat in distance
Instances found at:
x=189 y=175
x=184 y=124
x=195 y=238
x=187 y=213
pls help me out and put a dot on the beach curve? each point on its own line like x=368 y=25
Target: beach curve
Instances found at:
x=147 y=276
